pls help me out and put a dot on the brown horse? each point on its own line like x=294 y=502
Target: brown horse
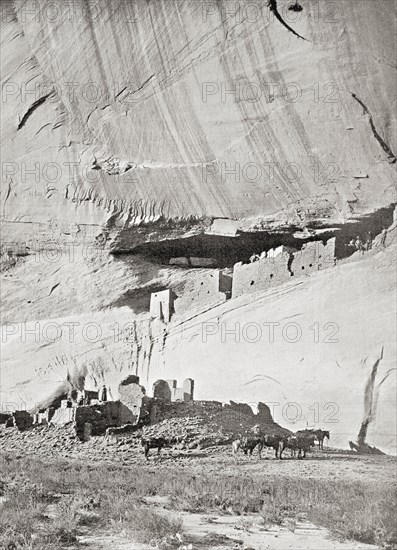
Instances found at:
x=320 y=436
x=153 y=443
x=275 y=441
x=247 y=444
x=301 y=442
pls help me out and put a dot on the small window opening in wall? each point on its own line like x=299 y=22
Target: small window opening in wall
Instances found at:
x=252 y=282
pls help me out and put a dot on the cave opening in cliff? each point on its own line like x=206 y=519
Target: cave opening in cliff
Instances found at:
x=217 y=251
x=373 y=223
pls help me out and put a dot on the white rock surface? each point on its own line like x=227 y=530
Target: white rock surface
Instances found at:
x=117 y=126
x=147 y=85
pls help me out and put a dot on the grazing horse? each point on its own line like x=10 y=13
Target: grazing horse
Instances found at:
x=292 y=444
x=247 y=443
x=320 y=436
x=153 y=443
x=275 y=441
x=302 y=442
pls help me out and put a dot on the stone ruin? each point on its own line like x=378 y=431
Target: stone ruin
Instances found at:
x=272 y=268
x=162 y=305
x=4 y=417
x=44 y=416
x=262 y=274
x=209 y=288
x=133 y=396
x=168 y=390
x=133 y=408
x=170 y=412
x=19 y=419
x=278 y=265
x=95 y=419
x=193 y=261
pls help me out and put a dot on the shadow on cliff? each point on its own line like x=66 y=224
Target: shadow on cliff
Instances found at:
x=138 y=299
x=227 y=251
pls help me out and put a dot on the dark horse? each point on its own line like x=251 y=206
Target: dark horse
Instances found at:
x=153 y=443
x=320 y=436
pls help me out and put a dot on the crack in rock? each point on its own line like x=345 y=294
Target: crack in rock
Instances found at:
x=382 y=143
x=31 y=110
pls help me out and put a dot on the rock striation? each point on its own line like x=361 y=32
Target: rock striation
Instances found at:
x=180 y=110
x=131 y=124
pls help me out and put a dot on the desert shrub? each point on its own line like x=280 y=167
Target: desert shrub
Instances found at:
x=148 y=526
x=360 y=510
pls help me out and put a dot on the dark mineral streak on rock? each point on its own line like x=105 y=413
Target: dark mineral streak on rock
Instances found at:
x=31 y=110
x=273 y=8
x=382 y=143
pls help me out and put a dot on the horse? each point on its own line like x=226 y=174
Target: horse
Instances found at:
x=320 y=436
x=153 y=443
x=247 y=444
x=275 y=441
x=302 y=442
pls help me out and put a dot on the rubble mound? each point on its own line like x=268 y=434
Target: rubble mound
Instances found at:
x=201 y=424
x=185 y=425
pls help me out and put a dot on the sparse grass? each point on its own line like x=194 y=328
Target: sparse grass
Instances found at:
x=362 y=511
x=151 y=527
x=84 y=495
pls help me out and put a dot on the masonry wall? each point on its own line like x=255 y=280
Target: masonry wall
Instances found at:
x=391 y=234
x=64 y=416
x=4 y=417
x=201 y=291
x=313 y=256
x=131 y=395
x=161 y=305
x=260 y=275
x=168 y=390
x=106 y=415
x=278 y=268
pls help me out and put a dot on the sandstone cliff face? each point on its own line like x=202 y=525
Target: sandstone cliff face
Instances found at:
x=126 y=115
x=145 y=121
x=307 y=348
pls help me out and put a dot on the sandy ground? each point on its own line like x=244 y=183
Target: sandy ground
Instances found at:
x=234 y=532
x=329 y=464
x=228 y=532
x=231 y=532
